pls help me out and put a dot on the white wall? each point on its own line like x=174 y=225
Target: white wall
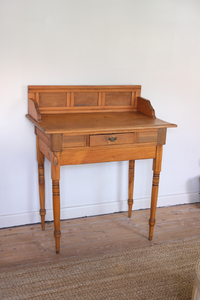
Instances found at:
x=155 y=43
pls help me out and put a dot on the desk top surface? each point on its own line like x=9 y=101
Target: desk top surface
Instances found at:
x=97 y=123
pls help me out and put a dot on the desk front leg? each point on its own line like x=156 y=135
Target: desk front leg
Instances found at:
x=55 y=175
x=130 y=187
x=154 y=195
x=40 y=159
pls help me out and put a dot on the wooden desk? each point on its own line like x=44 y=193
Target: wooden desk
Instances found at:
x=92 y=124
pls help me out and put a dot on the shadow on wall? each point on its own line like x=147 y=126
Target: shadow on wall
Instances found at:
x=193 y=189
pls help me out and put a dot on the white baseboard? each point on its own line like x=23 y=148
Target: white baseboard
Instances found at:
x=18 y=219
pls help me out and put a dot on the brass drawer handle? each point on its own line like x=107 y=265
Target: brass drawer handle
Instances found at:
x=112 y=139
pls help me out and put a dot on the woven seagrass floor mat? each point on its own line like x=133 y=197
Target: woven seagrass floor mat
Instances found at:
x=158 y=272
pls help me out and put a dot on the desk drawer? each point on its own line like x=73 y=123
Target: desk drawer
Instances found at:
x=112 y=139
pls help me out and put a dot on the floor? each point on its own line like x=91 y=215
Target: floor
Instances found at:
x=29 y=245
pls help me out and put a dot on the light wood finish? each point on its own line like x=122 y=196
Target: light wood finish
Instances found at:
x=148 y=136
x=98 y=123
x=55 y=176
x=53 y=99
x=43 y=137
x=130 y=187
x=33 y=110
x=27 y=246
x=70 y=99
x=70 y=141
x=45 y=149
x=118 y=98
x=162 y=136
x=92 y=124
x=40 y=159
x=112 y=139
x=86 y=99
x=154 y=195
x=56 y=213
x=145 y=107
x=105 y=154
x=56 y=142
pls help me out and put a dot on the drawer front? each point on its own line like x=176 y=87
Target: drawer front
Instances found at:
x=112 y=139
x=73 y=141
x=148 y=137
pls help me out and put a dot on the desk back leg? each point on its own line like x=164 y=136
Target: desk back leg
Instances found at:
x=40 y=159
x=130 y=187
x=55 y=175
x=154 y=194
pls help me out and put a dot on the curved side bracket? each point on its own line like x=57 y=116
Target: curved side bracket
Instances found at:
x=144 y=107
x=33 y=110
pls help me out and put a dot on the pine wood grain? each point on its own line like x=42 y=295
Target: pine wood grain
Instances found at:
x=98 y=123
x=144 y=106
x=82 y=138
x=130 y=186
x=70 y=99
x=112 y=153
x=112 y=139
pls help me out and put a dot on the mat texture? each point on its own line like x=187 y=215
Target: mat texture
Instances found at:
x=164 y=271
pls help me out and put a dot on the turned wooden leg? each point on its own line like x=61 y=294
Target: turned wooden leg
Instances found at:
x=130 y=187
x=154 y=195
x=55 y=174
x=42 y=194
x=56 y=213
x=40 y=159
